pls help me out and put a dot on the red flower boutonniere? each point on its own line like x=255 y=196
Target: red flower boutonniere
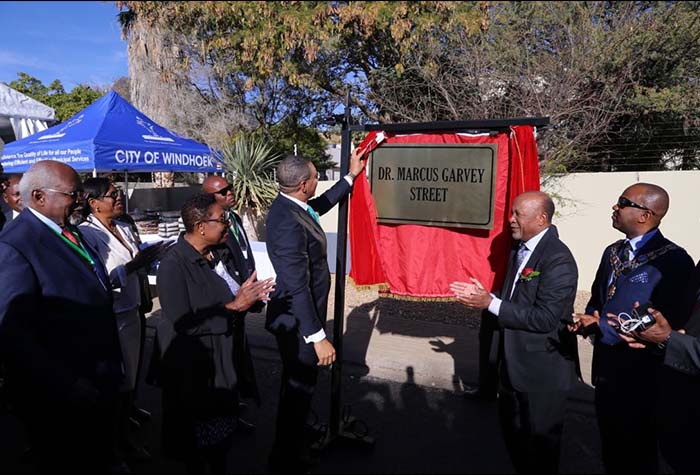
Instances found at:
x=528 y=274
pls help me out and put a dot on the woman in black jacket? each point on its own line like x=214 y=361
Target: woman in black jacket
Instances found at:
x=201 y=295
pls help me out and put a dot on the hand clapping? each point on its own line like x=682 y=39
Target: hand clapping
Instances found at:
x=250 y=292
x=472 y=295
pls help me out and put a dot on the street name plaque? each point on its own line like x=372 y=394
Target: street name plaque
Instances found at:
x=447 y=185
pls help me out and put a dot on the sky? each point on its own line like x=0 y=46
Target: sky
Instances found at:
x=74 y=42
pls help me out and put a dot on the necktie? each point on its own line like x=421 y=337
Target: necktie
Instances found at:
x=70 y=236
x=520 y=256
x=624 y=255
x=313 y=214
x=238 y=235
x=625 y=251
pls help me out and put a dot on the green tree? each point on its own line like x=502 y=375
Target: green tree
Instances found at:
x=249 y=165
x=66 y=104
x=619 y=80
x=288 y=135
x=292 y=56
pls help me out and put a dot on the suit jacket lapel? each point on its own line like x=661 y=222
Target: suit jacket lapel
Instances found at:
x=49 y=240
x=537 y=254
x=508 y=282
x=112 y=243
x=304 y=219
x=310 y=224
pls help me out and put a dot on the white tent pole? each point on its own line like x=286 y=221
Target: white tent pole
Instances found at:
x=94 y=172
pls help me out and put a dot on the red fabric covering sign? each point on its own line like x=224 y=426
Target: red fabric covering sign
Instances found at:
x=421 y=261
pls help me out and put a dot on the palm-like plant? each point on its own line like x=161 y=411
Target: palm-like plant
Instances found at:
x=249 y=165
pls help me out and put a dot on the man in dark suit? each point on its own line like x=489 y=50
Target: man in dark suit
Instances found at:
x=58 y=335
x=296 y=313
x=643 y=267
x=536 y=355
x=12 y=197
x=244 y=263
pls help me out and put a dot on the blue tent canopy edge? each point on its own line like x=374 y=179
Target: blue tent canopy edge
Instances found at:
x=111 y=135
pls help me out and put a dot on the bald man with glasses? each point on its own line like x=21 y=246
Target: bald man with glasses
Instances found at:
x=58 y=336
x=643 y=267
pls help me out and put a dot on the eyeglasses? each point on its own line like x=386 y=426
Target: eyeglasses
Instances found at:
x=114 y=195
x=75 y=195
x=623 y=202
x=224 y=191
x=224 y=219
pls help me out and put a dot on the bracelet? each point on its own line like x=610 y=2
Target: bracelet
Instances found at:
x=352 y=175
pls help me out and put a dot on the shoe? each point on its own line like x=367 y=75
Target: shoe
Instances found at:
x=244 y=427
x=119 y=467
x=134 y=424
x=27 y=456
x=476 y=394
x=140 y=415
x=137 y=454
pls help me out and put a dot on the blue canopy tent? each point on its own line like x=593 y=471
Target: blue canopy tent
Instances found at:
x=111 y=135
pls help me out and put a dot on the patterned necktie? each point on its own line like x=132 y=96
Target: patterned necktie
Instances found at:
x=520 y=256
x=313 y=214
x=625 y=251
x=238 y=235
x=624 y=255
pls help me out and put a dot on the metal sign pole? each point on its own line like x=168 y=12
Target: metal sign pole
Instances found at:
x=340 y=429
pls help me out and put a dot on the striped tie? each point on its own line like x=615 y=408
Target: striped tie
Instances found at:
x=70 y=236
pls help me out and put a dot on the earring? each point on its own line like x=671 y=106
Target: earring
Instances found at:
x=201 y=232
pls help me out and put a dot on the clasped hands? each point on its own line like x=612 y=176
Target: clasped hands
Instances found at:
x=250 y=292
x=473 y=294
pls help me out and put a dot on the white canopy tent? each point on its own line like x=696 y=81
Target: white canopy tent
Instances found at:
x=21 y=116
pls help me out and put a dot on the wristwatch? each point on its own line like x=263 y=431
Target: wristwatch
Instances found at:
x=662 y=345
x=351 y=175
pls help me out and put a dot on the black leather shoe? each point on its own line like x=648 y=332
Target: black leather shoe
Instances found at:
x=140 y=415
x=244 y=427
x=476 y=394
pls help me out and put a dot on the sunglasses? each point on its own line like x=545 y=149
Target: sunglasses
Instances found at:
x=224 y=191
x=623 y=202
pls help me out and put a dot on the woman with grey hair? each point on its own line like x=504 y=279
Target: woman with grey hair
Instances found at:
x=200 y=298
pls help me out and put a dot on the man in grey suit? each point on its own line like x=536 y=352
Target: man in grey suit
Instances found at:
x=536 y=356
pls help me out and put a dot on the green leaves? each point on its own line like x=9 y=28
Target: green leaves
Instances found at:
x=65 y=103
x=249 y=166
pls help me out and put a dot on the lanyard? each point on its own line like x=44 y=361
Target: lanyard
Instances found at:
x=80 y=250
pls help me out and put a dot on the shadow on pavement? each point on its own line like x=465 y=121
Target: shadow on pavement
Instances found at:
x=417 y=429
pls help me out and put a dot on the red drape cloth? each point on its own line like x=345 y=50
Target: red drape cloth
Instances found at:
x=421 y=261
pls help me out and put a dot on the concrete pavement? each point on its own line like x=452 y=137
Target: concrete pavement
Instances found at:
x=402 y=381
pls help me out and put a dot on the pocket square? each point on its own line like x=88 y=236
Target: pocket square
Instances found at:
x=641 y=278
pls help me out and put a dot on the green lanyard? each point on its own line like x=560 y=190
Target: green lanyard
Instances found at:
x=80 y=250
